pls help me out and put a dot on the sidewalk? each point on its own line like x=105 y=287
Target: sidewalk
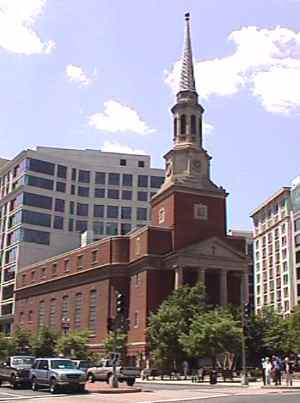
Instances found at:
x=221 y=384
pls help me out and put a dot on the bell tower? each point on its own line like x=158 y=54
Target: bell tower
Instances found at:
x=188 y=200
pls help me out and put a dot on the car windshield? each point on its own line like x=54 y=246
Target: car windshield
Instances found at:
x=22 y=361
x=86 y=364
x=62 y=364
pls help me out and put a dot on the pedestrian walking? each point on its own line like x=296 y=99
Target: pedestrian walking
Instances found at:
x=288 y=371
x=263 y=370
x=276 y=370
x=267 y=366
x=185 y=367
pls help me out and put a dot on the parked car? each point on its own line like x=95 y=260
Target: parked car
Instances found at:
x=84 y=365
x=57 y=373
x=104 y=369
x=16 y=370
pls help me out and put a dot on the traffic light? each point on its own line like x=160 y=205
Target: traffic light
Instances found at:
x=120 y=303
x=246 y=314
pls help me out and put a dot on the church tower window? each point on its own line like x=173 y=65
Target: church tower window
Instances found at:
x=182 y=124
x=193 y=125
x=175 y=127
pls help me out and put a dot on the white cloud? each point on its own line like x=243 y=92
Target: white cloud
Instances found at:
x=17 y=18
x=266 y=62
x=76 y=73
x=115 y=147
x=207 y=128
x=119 y=118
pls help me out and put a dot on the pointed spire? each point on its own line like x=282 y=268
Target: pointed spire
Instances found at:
x=187 y=80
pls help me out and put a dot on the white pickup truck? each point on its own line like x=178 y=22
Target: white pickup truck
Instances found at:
x=103 y=371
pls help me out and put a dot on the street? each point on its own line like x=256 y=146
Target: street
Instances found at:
x=159 y=393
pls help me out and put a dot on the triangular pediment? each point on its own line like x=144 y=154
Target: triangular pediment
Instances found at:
x=213 y=247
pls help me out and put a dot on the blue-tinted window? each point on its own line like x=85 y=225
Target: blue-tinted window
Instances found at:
x=72 y=189
x=71 y=207
x=127 y=180
x=98 y=228
x=100 y=193
x=142 y=196
x=36 y=181
x=141 y=213
x=60 y=205
x=125 y=228
x=81 y=226
x=113 y=194
x=126 y=195
x=58 y=222
x=40 y=166
x=61 y=171
x=98 y=211
x=156 y=181
x=100 y=178
x=82 y=209
x=113 y=179
x=34 y=236
x=36 y=218
x=112 y=212
x=83 y=191
x=111 y=228
x=60 y=187
x=142 y=181
x=34 y=200
x=126 y=212
x=84 y=176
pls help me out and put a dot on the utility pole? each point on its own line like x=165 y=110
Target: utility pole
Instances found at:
x=245 y=321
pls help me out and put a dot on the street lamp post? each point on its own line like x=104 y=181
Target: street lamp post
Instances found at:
x=65 y=324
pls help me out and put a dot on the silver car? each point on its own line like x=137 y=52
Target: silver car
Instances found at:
x=57 y=373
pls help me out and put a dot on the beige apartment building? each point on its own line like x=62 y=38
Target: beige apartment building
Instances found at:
x=277 y=250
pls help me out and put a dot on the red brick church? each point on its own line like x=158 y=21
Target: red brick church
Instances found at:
x=186 y=242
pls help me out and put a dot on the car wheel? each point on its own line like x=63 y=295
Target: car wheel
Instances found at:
x=34 y=385
x=13 y=381
x=81 y=388
x=91 y=378
x=53 y=386
x=130 y=381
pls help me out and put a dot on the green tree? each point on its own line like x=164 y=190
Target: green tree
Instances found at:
x=21 y=341
x=74 y=345
x=6 y=346
x=174 y=318
x=294 y=330
x=44 y=343
x=212 y=333
x=276 y=338
x=115 y=342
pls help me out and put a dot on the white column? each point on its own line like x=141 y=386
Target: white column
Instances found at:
x=178 y=277
x=223 y=287
x=201 y=275
x=244 y=287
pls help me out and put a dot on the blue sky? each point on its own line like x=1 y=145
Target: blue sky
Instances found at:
x=103 y=74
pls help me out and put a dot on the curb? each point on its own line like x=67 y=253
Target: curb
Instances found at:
x=115 y=391
x=281 y=387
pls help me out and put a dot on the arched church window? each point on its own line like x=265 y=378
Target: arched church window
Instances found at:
x=175 y=127
x=193 y=125
x=182 y=124
x=200 y=132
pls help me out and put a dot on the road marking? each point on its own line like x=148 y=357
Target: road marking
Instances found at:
x=26 y=397
x=185 y=398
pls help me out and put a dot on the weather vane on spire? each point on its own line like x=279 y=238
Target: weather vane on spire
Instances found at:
x=187 y=80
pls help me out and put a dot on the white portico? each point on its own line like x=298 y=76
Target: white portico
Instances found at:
x=221 y=268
